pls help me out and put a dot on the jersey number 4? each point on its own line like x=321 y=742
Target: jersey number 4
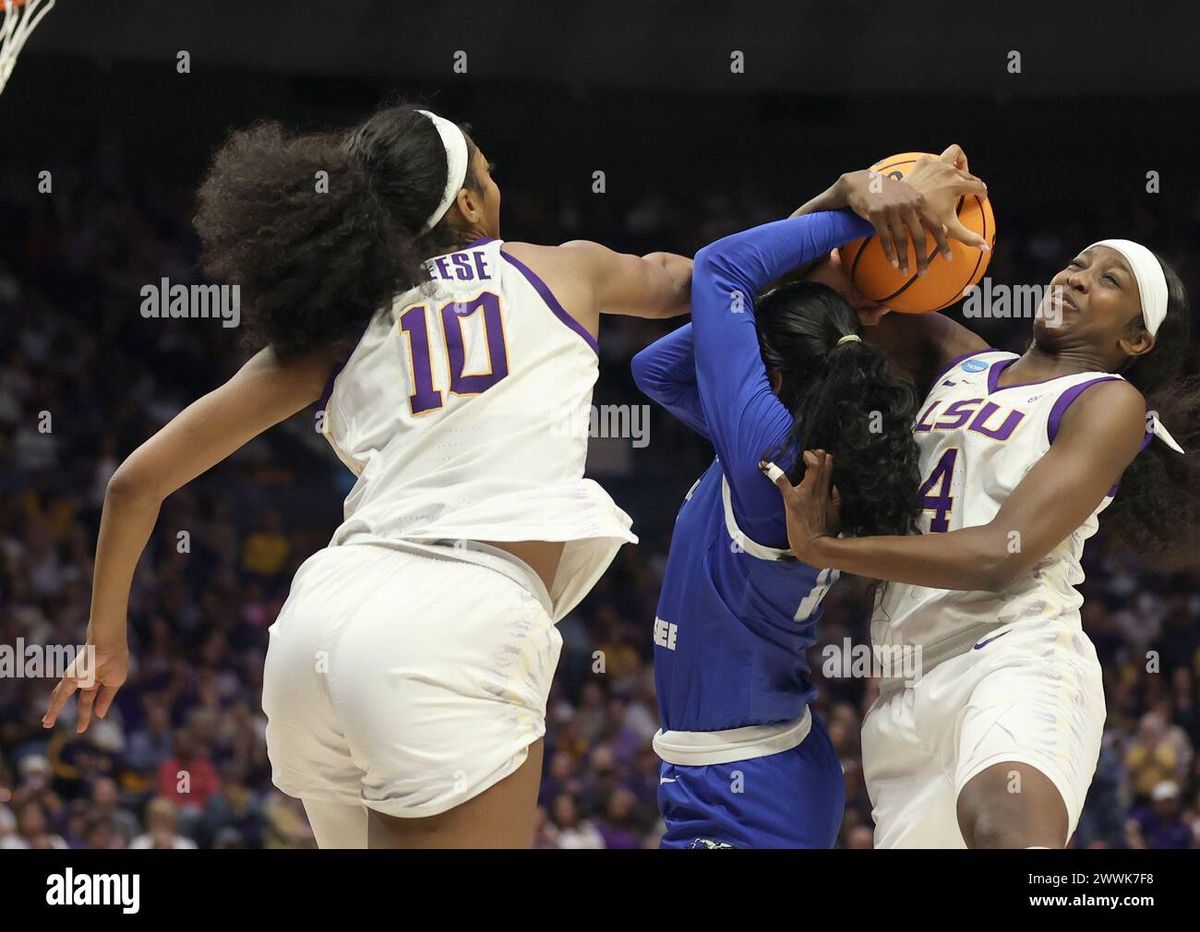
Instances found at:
x=414 y=323
x=936 y=491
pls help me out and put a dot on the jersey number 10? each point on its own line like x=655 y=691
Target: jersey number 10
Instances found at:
x=414 y=323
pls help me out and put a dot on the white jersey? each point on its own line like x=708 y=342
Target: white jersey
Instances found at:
x=464 y=410
x=977 y=441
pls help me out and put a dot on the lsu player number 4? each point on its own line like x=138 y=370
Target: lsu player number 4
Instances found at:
x=996 y=742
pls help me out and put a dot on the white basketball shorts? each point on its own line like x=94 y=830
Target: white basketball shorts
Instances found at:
x=408 y=679
x=1029 y=692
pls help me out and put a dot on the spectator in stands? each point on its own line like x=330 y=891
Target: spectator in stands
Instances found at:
x=620 y=826
x=1160 y=824
x=187 y=778
x=152 y=743
x=162 y=820
x=105 y=803
x=568 y=830
x=266 y=551
x=1155 y=756
x=34 y=828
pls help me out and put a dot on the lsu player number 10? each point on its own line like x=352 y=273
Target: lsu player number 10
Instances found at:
x=408 y=671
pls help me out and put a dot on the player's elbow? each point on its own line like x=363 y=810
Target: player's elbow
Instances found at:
x=642 y=368
x=709 y=262
x=648 y=376
x=992 y=576
x=676 y=277
x=130 y=485
x=716 y=274
x=997 y=569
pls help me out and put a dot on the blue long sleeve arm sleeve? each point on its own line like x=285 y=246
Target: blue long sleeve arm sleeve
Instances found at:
x=745 y=420
x=666 y=372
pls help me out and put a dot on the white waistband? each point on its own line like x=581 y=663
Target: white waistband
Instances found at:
x=700 y=748
x=472 y=551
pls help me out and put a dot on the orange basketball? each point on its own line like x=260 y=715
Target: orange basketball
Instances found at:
x=945 y=282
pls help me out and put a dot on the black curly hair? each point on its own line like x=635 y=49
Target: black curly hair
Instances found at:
x=319 y=230
x=844 y=400
x=1156 y=511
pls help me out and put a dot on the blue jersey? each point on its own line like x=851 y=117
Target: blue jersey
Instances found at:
x=736 y=613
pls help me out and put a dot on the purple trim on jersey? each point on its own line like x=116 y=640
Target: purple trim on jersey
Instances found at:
x=483 y=240
x=552 y=302
x=999 y=367
x=958 y=359
x=1066 y=399
x=994 y=373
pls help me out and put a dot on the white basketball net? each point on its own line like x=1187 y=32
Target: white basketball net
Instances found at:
x=19 y=22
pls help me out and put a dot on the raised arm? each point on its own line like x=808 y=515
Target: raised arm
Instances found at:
x=261 y=394
x=745 y=419
x=920 y=207
x=1099 y=437
x=918 y=345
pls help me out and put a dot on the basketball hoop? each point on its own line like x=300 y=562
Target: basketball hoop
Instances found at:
x=21 y=17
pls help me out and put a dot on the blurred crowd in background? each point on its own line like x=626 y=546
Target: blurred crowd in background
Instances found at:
x=84 y=379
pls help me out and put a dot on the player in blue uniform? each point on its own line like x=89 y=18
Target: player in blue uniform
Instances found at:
x=746 y=764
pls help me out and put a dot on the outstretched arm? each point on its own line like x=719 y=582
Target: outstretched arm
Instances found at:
x=261 y=394
x=655 y=285
x=1099 y=437
x=589 y=280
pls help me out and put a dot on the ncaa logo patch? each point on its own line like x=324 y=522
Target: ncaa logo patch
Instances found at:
x=708 y=843
x=974 y=365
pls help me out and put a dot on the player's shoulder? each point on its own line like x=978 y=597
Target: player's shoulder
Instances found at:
x=1105 y=404
x=575 y=261
x=565 y=281
x=572 y=251
x=1116 y=396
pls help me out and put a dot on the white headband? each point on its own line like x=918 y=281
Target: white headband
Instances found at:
x=1152 y=289
x=457 y=157
x=1150 y=278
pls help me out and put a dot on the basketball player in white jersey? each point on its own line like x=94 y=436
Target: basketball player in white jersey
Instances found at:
x=995 y=743
x=407 y=675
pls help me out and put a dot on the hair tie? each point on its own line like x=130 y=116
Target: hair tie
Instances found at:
x=848 y=338
x=1157 y=428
